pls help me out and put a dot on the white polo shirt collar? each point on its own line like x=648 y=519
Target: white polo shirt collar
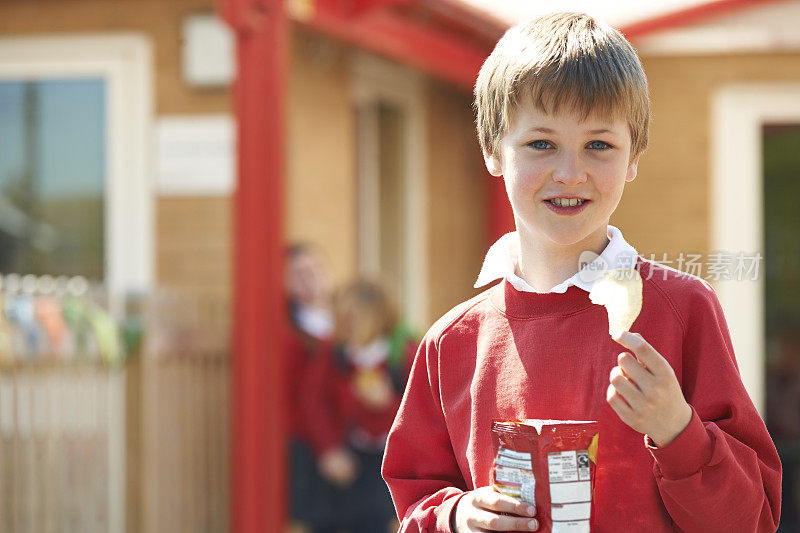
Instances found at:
x=502 y=258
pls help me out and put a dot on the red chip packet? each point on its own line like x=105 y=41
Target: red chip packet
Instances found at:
x=550 y=463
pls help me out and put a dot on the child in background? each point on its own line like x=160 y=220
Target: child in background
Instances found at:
x=311 y=327
x=358 y=391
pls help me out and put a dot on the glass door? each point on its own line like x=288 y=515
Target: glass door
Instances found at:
x=782 y=267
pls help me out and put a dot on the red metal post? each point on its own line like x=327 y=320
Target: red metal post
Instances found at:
x=258 y=410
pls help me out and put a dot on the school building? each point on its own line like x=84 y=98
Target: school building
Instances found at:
x=122 y=125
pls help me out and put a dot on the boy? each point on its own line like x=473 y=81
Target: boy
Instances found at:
x=563 y=114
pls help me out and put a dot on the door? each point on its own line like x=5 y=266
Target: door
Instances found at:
x=781 y=148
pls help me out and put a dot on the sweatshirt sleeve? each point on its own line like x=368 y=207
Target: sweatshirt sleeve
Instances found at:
x=722 y=473
x=320 y=408
x=419 y=465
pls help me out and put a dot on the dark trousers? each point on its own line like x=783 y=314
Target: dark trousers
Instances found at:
x=363 y=507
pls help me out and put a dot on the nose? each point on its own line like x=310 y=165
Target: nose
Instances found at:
x=570 y=170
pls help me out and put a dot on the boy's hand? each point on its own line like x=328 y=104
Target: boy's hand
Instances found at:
x=645 y=393
x=481 y=510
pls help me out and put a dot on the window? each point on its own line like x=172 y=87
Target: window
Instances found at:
x=75 y=167
x=392 y=181
x=52 y=177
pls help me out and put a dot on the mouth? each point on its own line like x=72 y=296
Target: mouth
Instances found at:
x=567 y=206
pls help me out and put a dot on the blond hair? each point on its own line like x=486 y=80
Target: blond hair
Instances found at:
x=363 y=311
x=562 y=58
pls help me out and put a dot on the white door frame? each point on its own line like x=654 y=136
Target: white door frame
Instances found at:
x=377 y=80
x=737 y=209
x=124 y=62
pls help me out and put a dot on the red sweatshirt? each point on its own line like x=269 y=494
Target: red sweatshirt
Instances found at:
x=301 y=351
x=507 y=354
x=332 y=408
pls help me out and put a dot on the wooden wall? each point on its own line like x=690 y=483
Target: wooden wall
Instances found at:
x=457 y=195
x=321 y=190
x=667 y=208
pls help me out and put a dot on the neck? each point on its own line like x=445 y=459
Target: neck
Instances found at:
x=544 y=264
x=315 y=303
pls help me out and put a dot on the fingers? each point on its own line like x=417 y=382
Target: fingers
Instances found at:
x=482 y=520
x=338 y=466
x=485 y=509
x=634 y=371
x=619 y=405
x=625 y=387
x=488 y=498
x=647 y=355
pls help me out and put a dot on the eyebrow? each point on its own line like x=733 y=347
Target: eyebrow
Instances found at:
x=548 y=130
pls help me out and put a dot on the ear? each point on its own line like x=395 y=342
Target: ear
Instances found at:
x=493 y=164
x=630 y=175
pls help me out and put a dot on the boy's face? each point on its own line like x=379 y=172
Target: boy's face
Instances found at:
x=307 y=279
x=545 y=156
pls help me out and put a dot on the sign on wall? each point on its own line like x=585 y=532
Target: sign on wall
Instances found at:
x=195 y=155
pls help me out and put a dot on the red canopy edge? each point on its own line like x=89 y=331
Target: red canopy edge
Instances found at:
x=687 y=17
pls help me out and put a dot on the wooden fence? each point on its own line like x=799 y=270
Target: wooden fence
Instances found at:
x=87 y=448
x=185 y=411
x=61 y=447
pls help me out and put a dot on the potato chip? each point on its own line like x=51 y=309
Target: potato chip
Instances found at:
x=620 y=291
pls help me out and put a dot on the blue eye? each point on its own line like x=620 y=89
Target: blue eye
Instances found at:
x=539 y=145
x=599 y=145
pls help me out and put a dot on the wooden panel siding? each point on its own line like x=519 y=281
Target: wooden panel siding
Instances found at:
x=667 y=207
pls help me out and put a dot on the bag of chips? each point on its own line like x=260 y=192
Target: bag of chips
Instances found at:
x=551 y=464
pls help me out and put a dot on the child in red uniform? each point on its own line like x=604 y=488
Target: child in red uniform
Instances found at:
x=563 y=115
x=311 y=329
x=357 y=393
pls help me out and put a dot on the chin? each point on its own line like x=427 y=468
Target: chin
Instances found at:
x=563 y=236
x=567 y=234
x=568 y=239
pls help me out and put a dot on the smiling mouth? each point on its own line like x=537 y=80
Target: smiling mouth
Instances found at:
x=562 y=202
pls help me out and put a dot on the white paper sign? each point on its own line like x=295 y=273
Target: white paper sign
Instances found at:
x=195 y=155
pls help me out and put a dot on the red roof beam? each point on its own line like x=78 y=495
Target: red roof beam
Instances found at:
x=351 y=8
x=476 y=21
x=412 y=43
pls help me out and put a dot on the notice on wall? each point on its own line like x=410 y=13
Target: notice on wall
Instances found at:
x=195 y=155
